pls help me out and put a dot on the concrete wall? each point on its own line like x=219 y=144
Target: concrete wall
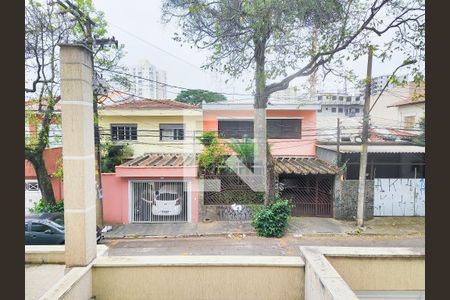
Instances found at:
x=148 y=141
x=306 y=146
x=346 y=199
x=381 y=273
x=75 y=285
x=40 y=254
x=218 y=277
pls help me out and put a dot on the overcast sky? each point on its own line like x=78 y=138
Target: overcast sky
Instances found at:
x=137 y=24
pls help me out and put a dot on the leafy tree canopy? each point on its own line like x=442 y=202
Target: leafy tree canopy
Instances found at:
x=197 y=97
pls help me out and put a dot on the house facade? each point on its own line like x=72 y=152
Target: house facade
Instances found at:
x=159 y=184
x=395 y=179
x=152 y=126
x=292 y=137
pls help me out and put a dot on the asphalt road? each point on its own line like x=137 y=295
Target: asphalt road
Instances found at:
x=249 y=245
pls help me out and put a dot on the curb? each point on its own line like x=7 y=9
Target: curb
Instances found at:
x=138 y=236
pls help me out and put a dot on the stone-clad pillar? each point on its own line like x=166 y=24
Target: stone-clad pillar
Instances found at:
x=78 y=155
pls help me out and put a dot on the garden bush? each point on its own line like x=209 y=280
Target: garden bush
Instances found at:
x=272 y=220
x=40 y=207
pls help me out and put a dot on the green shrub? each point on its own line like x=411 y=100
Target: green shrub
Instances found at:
x=272 y=220
x=40 y=207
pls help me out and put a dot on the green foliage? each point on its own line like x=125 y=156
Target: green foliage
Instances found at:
x=272 y=220
x=197 y=97
x=213 y=156
x=114 y=155
x=245 y=150
x=208 y=138
x=41 y=207
x=59 y=169
x=421 y=139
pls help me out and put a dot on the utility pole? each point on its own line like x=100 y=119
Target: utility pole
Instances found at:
x=338 y=141
x=91 y=42
x=364 y=138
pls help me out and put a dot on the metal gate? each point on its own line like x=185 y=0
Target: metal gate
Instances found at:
x=159 y=202
x=310 y=195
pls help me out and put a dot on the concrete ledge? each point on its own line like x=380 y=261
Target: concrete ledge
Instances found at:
x=78 y=281
x=44 y=254
x=322 y=280
x=197 y=260
x=52 y=254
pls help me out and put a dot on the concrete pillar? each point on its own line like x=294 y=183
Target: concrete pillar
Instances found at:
x=78 y=155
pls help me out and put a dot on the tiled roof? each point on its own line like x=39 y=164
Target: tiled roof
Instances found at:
x=407 y=102
x=33 y=105
x=162 y=160
x=150 y=104
x=376 y=148
x=303 y=166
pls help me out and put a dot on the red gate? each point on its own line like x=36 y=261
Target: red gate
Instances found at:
x=310 y=195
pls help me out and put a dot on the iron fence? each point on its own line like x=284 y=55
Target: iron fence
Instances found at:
x=233 y=190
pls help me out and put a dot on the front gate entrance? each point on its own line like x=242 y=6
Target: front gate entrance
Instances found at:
x=158 y=202
x=310 y=195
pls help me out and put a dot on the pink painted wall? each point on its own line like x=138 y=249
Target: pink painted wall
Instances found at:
x=51 y=156
x=306 y=146
x=115 y=191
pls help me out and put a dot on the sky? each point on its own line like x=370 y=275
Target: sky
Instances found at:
x=138 y=25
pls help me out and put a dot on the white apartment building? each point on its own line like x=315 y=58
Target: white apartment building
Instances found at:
x=149 y=82
x=379 y=82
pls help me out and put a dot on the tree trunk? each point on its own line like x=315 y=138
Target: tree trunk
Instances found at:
x=262 y=151
x=44 y=181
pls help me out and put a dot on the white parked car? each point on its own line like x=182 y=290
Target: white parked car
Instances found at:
x=167 y=202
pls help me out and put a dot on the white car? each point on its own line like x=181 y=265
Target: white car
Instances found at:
x=167 y=202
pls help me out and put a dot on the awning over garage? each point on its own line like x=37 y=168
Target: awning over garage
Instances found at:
x=162 y=160
x=304 y=166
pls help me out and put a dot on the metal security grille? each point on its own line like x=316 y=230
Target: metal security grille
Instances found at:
x=233 y=190
x=310 y=195
x=158 y=202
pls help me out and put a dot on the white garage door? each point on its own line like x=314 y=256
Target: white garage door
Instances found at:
x=399 y=197
x=32 y=194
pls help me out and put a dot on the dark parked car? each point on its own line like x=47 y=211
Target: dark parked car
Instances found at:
x=47 y=229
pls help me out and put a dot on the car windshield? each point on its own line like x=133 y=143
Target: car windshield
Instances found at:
x=167 y=197
x=54 y=224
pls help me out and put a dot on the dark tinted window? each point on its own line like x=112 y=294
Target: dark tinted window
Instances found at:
x=333 y=109
x=284 y=128
x=340 y=109
x=38 y=227
x=26 y=226
x=124 y=132
x=235 y=128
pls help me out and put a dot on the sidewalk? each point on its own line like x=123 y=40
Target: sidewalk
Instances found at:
x=298 y=226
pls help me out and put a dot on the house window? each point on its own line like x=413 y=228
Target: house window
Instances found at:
x=349 y=99
x=235 y=129
x=357 y=110
x=171 y=132
x=358 y=98
x=333 y=98
x=123 y=132
x=284 y=128
x=319 y=97
x=333 y=109
x=31 y=186
x=340 y=109
x=341 y=98
x=409 y=121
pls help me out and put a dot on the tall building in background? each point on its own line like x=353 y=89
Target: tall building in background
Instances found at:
x=148 y=81
x=161 y=78
x=379 y=82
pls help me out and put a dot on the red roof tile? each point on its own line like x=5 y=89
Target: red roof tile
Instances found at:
x=150 y=104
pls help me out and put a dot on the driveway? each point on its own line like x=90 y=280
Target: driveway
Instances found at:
x=249 y=245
